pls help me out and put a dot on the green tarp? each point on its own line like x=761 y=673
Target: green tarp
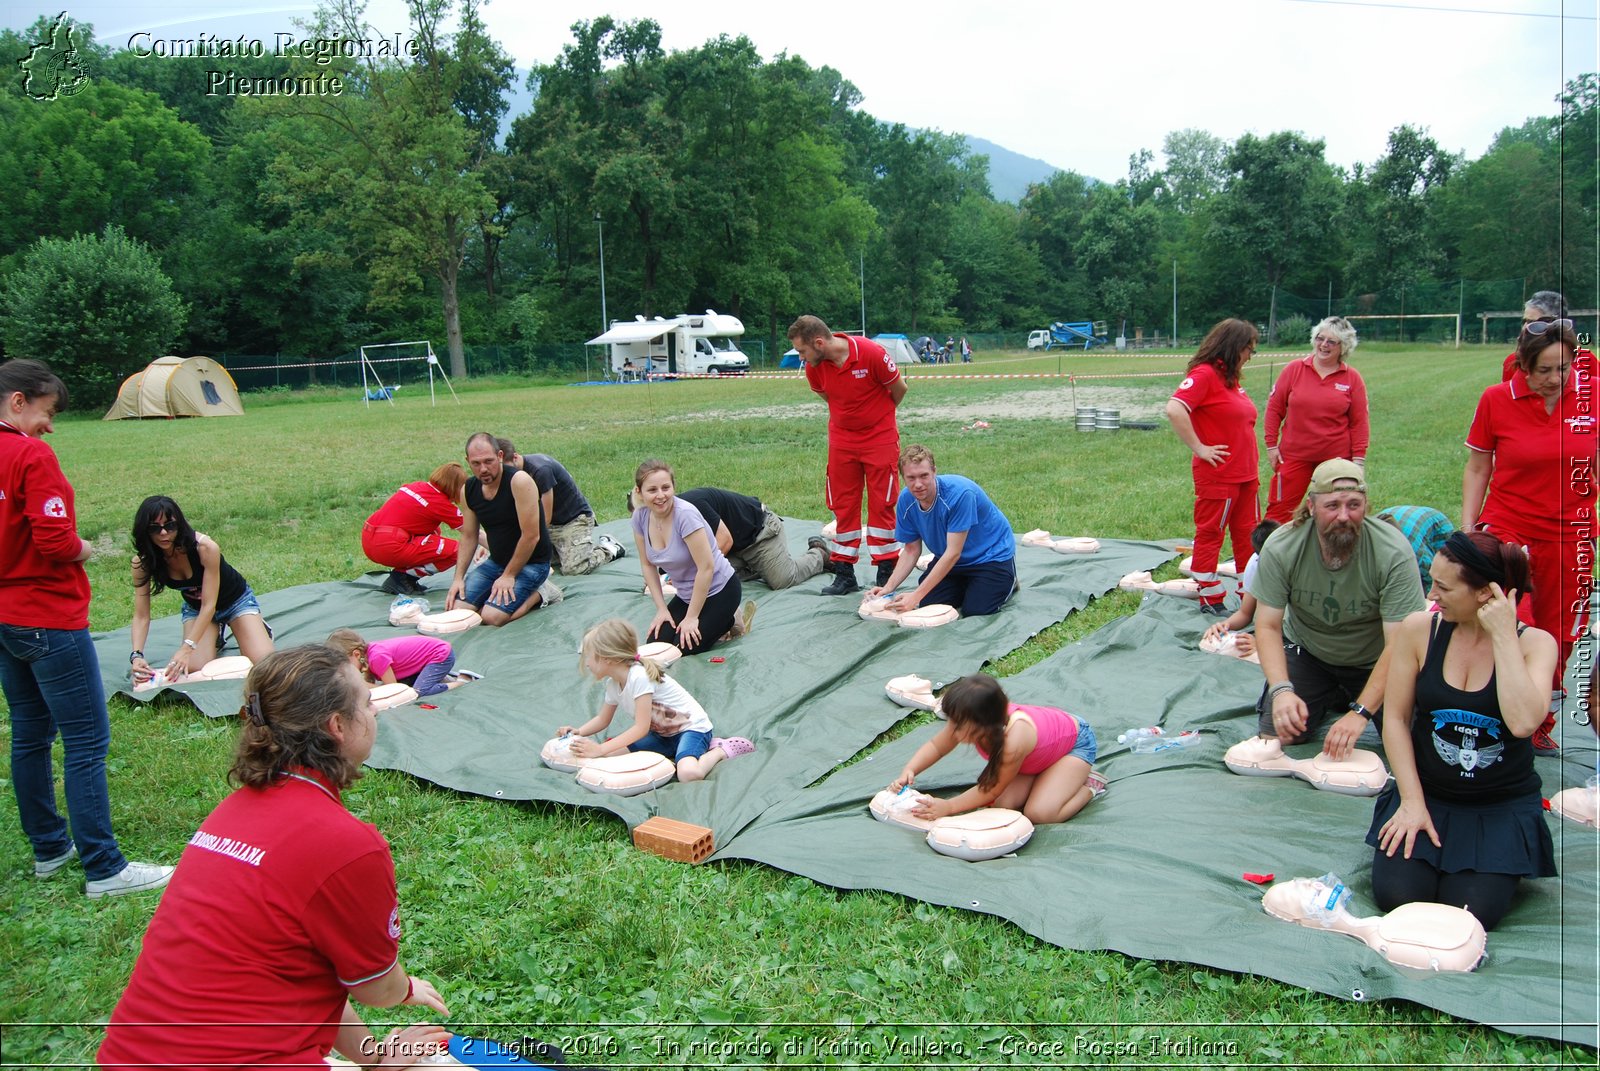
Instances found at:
x=1154 y=868
x=806 y=685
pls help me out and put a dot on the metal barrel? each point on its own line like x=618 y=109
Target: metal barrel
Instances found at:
x=1107 y=419
x=1086 y=418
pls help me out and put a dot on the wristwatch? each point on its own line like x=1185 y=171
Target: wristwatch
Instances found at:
x=134 y=657
x=193 y=646
x=1357 y=708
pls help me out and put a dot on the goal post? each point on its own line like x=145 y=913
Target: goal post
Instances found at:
x=1403 y=317
x=398 y=353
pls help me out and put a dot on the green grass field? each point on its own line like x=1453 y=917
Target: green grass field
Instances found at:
x=545 y=919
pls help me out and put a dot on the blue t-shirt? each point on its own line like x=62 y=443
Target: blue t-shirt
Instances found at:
x=960 y=506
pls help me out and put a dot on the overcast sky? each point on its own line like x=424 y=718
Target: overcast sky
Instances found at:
x=1081 y=84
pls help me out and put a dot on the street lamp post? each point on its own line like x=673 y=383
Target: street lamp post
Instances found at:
x=605 y=321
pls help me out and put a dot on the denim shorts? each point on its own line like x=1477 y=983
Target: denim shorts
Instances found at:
x=475 y=592
x=1085 y=748
x=689 y=744
x=244 y=607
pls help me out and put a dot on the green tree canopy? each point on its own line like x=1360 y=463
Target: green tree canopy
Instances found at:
x=96 y=307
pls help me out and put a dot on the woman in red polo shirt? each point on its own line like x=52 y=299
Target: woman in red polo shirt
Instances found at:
x=1317 y=411
x=404 y=532
x=1530 y=480
x=1216 y=420
x=283 y=910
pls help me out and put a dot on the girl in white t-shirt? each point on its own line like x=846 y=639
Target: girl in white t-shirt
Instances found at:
x=666 y=719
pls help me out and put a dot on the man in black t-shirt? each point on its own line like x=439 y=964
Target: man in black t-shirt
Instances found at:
x=567 y=513
x=751 y=537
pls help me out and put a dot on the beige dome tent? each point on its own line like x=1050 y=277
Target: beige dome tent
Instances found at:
x=177 y=386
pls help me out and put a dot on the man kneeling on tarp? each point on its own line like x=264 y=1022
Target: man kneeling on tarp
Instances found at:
x=974 y=567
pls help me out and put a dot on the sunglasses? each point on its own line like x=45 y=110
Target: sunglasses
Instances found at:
x=157 y=527
x=1539 y=327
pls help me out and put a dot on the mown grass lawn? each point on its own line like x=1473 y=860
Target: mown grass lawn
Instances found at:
x=545 y=918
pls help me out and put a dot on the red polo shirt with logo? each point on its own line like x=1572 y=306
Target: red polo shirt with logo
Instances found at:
x=1320 y=417
x=282 y=901
x=861 y=412
x=1543 y=461
x=1225 y=415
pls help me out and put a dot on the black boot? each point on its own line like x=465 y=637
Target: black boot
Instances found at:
x=884 y=571
x=844 y=579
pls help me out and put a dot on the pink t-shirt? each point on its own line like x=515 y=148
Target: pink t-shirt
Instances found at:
x=406 y=656
x=1057 y=736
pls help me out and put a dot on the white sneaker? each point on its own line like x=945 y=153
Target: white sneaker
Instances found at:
x=43 y=868
x=550 y=594
x=135 y=877
x=613 y=549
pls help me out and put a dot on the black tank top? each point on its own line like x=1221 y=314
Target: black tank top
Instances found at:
x=1465 y=753
x=497 y=516
x=230 y=588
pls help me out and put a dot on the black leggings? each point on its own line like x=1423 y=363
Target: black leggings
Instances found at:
x=1399 y=881
x=716 y=618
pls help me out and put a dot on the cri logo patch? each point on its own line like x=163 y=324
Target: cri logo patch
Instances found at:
x=56 y=508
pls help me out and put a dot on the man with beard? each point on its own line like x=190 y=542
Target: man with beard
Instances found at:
x=504 y=502
x=1331 y=589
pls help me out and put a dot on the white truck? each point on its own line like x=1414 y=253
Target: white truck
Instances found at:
x=699 y=344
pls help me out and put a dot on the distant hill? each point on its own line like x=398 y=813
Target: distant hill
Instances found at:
x=1010 y=173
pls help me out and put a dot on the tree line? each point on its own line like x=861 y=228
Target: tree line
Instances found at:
x=142 y=214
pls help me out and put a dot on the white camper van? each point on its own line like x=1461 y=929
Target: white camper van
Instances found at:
x=702 y=344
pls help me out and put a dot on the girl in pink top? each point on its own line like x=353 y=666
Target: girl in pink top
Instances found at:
x=1039 y=758
x=424 y=662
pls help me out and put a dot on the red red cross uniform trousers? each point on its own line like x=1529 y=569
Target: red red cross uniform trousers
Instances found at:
x=863 y=448
x=1224 y=494
x=404 y=532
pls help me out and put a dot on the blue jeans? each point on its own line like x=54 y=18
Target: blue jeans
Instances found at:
x=51 y=678
x=689 y=744
x=1086 y=747
x=430 y=679
x=475 y=592
x=246 y=604
x=975 y=590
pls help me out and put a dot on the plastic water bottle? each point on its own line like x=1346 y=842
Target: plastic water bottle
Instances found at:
x=1133 y=736
x=1328 y=897
x=1144 y=745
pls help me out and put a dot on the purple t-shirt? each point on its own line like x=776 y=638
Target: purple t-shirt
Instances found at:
x=406 y=655
x=676 y=558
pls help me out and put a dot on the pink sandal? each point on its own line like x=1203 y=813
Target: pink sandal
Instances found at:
x=733 y=746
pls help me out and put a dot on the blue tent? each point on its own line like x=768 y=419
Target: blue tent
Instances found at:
x=790 y=360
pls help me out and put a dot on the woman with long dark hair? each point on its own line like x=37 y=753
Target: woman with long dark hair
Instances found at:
x=1214 y=417
x=168 y=553
x=48 y=667
x=1462 y=822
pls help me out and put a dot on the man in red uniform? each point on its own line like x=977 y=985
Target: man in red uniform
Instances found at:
x=863 y=388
